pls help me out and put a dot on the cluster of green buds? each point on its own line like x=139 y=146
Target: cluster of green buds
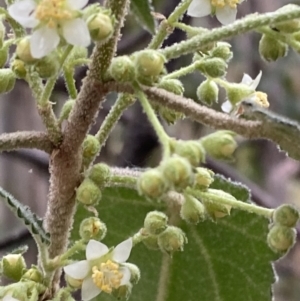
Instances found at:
x=282 y=232
x=158 y=235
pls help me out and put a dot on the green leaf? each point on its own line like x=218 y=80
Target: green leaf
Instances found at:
x=143 y=9
x=22 y=212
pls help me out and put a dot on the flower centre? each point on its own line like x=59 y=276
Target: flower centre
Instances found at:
x=52 y=12
x=222 y=3
x=107 y=276
x=261 y=98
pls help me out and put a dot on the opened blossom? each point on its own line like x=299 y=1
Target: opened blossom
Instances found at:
x=225 y=10
x=51 y=20
x=102 y=270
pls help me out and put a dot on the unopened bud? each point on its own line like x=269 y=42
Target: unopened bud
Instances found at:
x=203 y=178
x=135 y=274
x=18 y=67
x=151 y=242
x=281 y=238
x=286 y=215
x=100 y=174
x=33 y=274
x=171 y=85
x=222 y=51
x=192 y=210
x=155 y=222
x=47 y=66
x=77 y=53
x=7 y=80
x=92 y=228
x=3 y=56
x=220 y=145
x=122 y=69
x=123 y=292
x=101 y=27
x=169 y=115
x=88 y=193
x=271 y=49
x=90 y=149
x=152 y=183
x=66 y=109
x=23 y=51
x=172 y=240
x=208 y=92
x=213 y=67
x=13 y=266
x=193 y=151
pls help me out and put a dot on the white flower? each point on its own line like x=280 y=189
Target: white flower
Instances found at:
x=9 y=298
x=102 y=270
x=225 y=10
x=51 y=19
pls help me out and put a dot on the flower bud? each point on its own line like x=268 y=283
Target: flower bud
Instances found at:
x=92 y=228
x=100 y=174
x=171 y=85
x=208 y=92
x=178 y=171
x=123 y=292
x=66 y=109
x=18 y=67
x=193 y=151
x=203 y=178
x=33 y=274
x=135 y=274
x=3 y=56
x=47 y=66
x=271 y=49
x=213 y=67
x=152 y=184
x=72 y=282
x=77 y=53
x=122 y=69
x=151 y=242
x=90 y=149
x=88 y=193
x=13 y=266
x=192 y=210
x=220 y=145
x=222 y=51
x=7 y=80
x=280 y=238
x=101 y=27
x=217 y=211
x=286 y=215
x=2 y=33
x=169 y=115
x=172 y=240
x=155 y=222
x=23 y=51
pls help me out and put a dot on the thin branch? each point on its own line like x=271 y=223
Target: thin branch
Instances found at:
x=26 y=139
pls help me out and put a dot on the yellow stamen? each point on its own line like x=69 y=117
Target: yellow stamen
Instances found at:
x=261 y=98
x=107 y=276
x=222 y=3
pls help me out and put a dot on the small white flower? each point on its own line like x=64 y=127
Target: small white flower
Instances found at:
x=225 y=10
x=102 y=270
x=51 y=19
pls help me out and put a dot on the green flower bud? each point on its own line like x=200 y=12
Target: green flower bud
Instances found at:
x=152 y=184
x=23 y=51
x=101 y=27
x=100 y=174
x=149 y=63
x=169 y=115
x=171 y=85
x=208 y=92
x=217 y=211
x=193 y=151
x=122 y=69
x=178 y=171
x=286 y=215
x=90 y=149
x=237 y=92
x=213 y=67
x=135 y=274
x=66 y=109
x=18 y=67
x=192 y=210
x=33 y=274
x=13 y=266
x=3 y=56
x=88 y=193
x=203 y=178
x=271 y=49
x=220 y=145
x=222 y=50
x=280 y=238
x=2 y=33
x=47 y=66
x=151 y=242
x=123 y=292
x=7 y=80
x=172 y=240
x=155 y=222
x=72 y=282
x=77 y=53
x=92 y=228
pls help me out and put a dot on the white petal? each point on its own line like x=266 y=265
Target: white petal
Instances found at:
x=23 y=12
x=255 y=82
x=226 y=106
x=43 y=41
x=226 y=15
x=122 y=251
x=76 y=32
x=199 y=8
x=89 y=290
x=9 y=298
x=126 y=276
x=247 y=79
x=77 y=4
x=95 y=249
x=77 y=270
